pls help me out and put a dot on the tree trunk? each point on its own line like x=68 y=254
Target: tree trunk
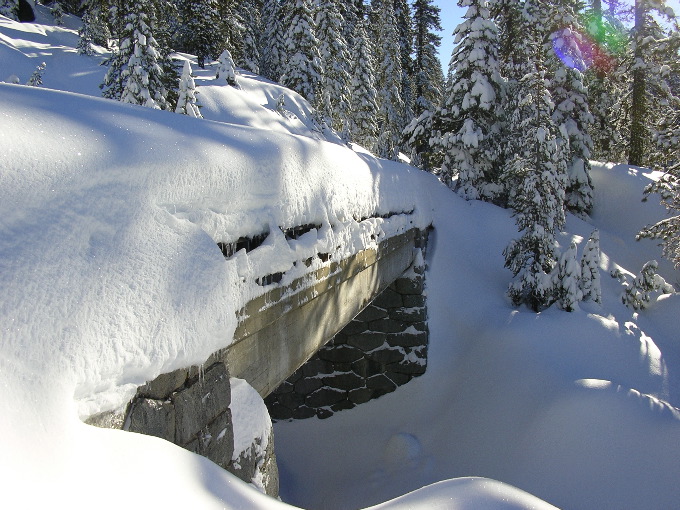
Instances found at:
x=638 y=110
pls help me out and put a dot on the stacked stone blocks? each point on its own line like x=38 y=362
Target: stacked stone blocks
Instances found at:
x=384 y=347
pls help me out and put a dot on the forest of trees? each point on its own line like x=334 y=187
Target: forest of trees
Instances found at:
x=534 y=91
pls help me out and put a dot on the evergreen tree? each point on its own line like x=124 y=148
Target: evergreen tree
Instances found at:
x=302 y=70
x=95 y=26
x=404 y=24
x=10 y=9
x=590 y=270
x=567 y=280
x=604 y=85
x=232 y=28
x=200 y=30
x=645 y=95
x=85 y=35
x=272 y=57
x=573 y=116
x=537 y=176
x=363 y=128
x=36 y=78
x=469 y=121
x=668 y=188
x=57 y=12
x=249 y=13
x=427 y=71
x=134 y=75
x=334 y=105
x=637 y=293
x=226 y=70
x=186 y=103
x=388 y=81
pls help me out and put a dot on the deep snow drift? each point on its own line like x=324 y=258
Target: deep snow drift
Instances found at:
x=110 y=275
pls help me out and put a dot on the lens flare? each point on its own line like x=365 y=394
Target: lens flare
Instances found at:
x=599 y=46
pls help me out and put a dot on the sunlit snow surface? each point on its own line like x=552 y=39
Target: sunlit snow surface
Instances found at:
x=110 y=275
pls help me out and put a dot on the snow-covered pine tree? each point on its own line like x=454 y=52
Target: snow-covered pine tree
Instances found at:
x=427 y=70
x=590 y=269
x=249 y=13
x=469 y=122
x=302 y=69
x=404 y=24
x=645 y=95
x=200 y=29
x=334 y=105
x=186 y=103
x=536 y=174
x=363 y=128
x=352 y=12
x=57 y=12
x=637 y=293
x=572 y=114
x=94 y=28
x=85 y=36
x=226 y=70
x=604 y=85
x=272 y=56
x=567 y=280
x=36 y=78
x=668 y=188
x=231 y=27
x=141 y=78
x=10 y=9
x=388 y=80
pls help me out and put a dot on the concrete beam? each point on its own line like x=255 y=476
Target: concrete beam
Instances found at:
x=279 y=331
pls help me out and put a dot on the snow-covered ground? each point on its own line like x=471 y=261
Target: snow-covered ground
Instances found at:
x=110 y=275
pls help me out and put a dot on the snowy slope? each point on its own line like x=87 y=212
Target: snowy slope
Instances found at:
x=110 y=275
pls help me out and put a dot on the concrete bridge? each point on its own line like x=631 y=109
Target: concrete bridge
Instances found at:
x=331 y=339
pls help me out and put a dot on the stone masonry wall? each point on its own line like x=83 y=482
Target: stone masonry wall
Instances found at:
x=190 y=408
x=384 y=347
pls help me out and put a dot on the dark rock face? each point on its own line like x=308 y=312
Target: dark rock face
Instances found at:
x=384 y=347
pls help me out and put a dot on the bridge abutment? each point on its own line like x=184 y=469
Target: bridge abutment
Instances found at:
x=382 y=348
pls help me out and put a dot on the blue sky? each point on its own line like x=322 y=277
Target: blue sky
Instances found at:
x=451 y=16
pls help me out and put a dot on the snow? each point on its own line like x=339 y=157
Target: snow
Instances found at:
x=110 y=275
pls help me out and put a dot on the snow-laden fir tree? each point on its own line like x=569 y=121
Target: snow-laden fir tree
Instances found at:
x=567 y=280
x=536 y=174
x=272 y=56
x=637 y=294
x=572 y=115
x=94 y=28
x=363 y=128
x=388 y=80
x=142 y=76
x=186 y=103
x=469 y=122
x=57 y=12
x=36 y=78
x=249 y=13
x=427 y=71
x=334 y=104
x=404 y=24
x=226 y=70
x=590 y=270
x=302 y=69
x=232 y=27
x=645 y=93
x=85 y=36
x=668 y=189
x=200 y=30
x=10 y=9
